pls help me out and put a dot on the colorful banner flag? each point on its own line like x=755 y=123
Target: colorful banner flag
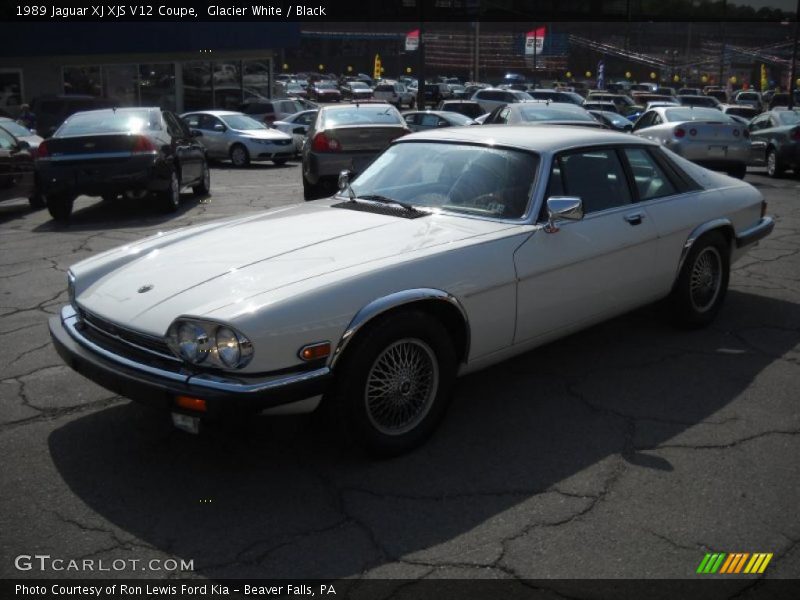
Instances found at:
x=534 y=41
x=412 y=40
x=764 y=78
x=376 y=71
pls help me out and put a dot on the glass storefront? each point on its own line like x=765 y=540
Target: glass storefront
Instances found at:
x=222 y=84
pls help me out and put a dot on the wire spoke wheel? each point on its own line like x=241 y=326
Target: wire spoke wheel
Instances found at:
x=705 y=280
x=401 y=386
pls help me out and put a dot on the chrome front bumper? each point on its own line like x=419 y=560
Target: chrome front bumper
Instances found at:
x=757 y=232
x=151 y=384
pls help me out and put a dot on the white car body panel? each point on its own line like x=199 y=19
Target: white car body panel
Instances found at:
x=300 y=274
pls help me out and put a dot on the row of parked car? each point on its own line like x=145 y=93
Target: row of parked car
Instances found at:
x=141 y=151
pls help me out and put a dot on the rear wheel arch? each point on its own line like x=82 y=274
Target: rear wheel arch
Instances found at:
x=723 y=226
x=439 y=304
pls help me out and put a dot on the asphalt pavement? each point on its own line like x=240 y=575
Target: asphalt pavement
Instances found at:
x=629 y=450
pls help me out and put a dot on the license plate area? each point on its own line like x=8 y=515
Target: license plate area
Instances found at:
x=717 y=151
x=186 y=423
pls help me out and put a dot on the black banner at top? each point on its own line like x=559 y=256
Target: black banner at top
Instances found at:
x=275 y=11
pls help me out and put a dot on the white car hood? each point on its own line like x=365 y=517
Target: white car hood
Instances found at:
x=201 y=270
x=263 y=134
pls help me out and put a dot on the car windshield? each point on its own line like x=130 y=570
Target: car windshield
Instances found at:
x=452 y=177
x=242 y=122
x=359 y=86
x=553 y=112
x=111 y=121
x=788 y=117
x=326 y=85
x=696 y=114
x=15 y=129
x=361 y=115
x=742 y=111
x=748 y=96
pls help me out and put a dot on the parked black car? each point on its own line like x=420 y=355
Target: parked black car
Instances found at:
x=775 y=141
x=17 y=170
x=131 y=151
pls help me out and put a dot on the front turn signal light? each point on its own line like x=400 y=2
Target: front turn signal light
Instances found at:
x=315 y=351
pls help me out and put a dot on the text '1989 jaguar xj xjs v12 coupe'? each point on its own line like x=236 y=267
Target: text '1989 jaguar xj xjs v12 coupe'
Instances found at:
x=453 y=250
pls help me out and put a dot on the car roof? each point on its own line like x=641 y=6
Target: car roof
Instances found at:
x=215 y=113
x=542 y=138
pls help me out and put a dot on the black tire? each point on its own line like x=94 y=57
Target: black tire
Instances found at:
x=170 y=198
x=37 y=201
x=240 y=157
x=382 y=424
x=310 y=190
x=774 y=167
x=279 y=162
x=203 y=187
x=702 y=283
x=739 y=171
x=60 y=207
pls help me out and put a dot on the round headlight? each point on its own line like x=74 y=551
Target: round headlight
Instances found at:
x=228 y=349
x=193 y=343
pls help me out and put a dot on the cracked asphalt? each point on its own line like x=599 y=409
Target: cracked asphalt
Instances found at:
x=625 y=451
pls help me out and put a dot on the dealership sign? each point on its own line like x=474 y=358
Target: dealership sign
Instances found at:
x=534 y=41
x=412 y=40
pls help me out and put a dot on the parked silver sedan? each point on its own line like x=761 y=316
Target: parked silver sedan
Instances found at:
x=297 y=125
x=705 y=136
x=235 y=136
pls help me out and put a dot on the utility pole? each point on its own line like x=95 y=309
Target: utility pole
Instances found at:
x=421 y=60
x=793 y=70
x=477 y=50
x=722 y=44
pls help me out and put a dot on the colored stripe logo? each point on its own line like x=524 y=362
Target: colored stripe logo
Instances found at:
x=734 y=563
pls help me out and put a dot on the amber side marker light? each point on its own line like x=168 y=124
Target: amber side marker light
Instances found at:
x=190 y=403
x=315 y=351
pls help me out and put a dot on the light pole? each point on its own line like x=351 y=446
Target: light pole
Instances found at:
x=793 y=70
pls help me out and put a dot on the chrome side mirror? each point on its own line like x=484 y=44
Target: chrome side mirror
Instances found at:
x=562 y=208
x=344 y=183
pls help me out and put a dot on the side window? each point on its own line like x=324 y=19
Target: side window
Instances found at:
x=651 y=181
x=411 y=119
x=646 y=120
x=205 y=122
x=6 y=141
x=773 y=122
x=596 y=177
x=503 y=116
x=429 y=120
x=657 y=120
x=192 y=121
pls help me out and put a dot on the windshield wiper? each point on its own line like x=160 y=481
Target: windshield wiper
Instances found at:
x=385 y=200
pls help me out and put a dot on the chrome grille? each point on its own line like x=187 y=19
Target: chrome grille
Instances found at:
x=137 y=342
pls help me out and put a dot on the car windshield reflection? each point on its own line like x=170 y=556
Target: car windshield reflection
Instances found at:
x=466 y=179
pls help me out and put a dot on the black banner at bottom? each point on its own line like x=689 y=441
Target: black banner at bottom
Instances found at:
x=399 y=589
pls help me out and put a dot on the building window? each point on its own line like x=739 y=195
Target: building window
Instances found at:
x=10 y=92
x=157 y=85
x=122 y=84
x=197 y=80
x=83 y=80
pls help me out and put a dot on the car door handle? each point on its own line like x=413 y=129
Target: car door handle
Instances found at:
x=635 y=218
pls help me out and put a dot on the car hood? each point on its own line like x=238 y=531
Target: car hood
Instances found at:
x=199 y=270
x=262 y=134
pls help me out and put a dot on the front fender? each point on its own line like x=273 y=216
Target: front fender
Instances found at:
x=392 y=301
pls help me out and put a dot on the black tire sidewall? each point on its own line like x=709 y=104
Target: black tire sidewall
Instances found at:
x=246 y=156
x=60 y=207
x=682 y=310
x=201 y=189
x=353 y=370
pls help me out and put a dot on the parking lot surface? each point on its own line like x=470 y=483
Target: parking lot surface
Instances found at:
x=628 y=450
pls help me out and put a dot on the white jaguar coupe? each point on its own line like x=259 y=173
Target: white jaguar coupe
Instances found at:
x=453 y=250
